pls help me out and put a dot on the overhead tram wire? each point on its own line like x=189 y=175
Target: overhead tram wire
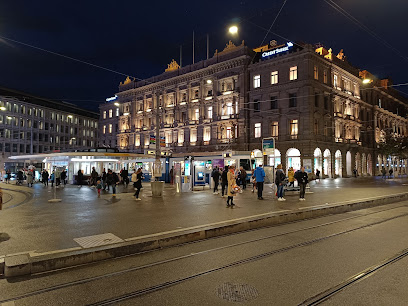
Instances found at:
x=342 y=11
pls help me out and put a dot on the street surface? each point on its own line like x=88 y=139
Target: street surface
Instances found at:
x=280 y=265
x=28 y=222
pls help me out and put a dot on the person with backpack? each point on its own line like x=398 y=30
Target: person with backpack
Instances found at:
x=259 y=174
x=224 y=181
x=215 y=174
x=280 y=182
x=302 y=178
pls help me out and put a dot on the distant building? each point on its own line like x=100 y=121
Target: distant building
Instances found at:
x=30 y=125
x=313 y=102
x=108 y=123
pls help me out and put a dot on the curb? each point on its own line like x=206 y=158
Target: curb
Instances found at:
x=30 y=262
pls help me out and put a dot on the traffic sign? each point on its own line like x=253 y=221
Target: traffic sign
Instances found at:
x=268 y=146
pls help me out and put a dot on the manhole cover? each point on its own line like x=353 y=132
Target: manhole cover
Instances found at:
x=97 y=240
x=237 y=292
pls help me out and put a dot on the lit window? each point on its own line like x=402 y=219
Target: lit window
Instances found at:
x=193 y=135
x=110 y=128
x=274 y=77
x=137 y=140
x=210 y=112
x=196 y=114
x=325 y=76
x=229 y=134
x=104 y=129
x=117 y=112
x=180 y=139
x=110 y=113
x=257 y=130
x=257 y=81
x=316 y=73
x=335 y=82
x=275 y=129
x=207 y=133
x=294 y=128
x=293 y=73
x=229 y=109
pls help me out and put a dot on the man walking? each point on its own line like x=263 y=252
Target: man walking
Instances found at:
x=259 y=174
x=301 y=177
x=216 y=177
x=224 y=181
x=243 y=175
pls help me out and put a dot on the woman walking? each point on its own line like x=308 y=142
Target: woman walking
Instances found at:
x=231 y=184
x=137 y=177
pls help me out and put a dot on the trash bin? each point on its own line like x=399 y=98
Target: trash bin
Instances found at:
x=157 y=188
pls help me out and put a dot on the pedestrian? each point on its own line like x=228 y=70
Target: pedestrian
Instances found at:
x=99 y=187
x=390 y=172
x=57 y=177
x=172 y=176
x=243 y=175
x=224 y=181
x=64 y=177
x=80 y=178
x=317 y=174
x=52 y=178
x=355 y=172
x=137 y=178
x=291 y=176
x=8 y=176
x=231 y=186
x=125 y=177
x=302 y=178
x=94 y=177
x=112 y=179
x=30 y=178
x=253 y=181
x=279 y=182
x=259 y=174
x=215 y=174
x=1 y=199
x=384 y=173
x=44 y=177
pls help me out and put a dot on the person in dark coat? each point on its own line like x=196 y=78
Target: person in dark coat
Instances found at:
x=64 y=177
x=45 y=176
x=104 y=174
x=224 y=181
x=94 y=177
x=80 y=177
x=243 y=176
x=137 y=178
x=302 y=178
x=216 y=177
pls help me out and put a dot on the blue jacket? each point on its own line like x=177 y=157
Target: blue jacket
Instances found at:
x=259 y=174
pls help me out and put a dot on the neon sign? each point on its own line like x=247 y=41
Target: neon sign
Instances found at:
x=268 y=54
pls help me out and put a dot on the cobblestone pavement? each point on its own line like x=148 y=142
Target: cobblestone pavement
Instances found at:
x=29 y=222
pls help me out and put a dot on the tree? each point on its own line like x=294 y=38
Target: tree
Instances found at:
x=394 y=146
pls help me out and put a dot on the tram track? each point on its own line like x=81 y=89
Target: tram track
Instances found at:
x=28 y=197
x=165 y=285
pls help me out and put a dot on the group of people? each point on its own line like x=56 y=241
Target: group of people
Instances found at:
x=384 y=173
x=58 y=176
x=300 y=176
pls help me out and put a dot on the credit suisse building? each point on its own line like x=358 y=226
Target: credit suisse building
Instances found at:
x=311 y=100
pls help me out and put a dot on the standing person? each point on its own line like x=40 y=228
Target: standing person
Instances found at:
x=64 y=177
x=8 y=176
x=52 y=178
x=94 y=177
x=80 y=178
x=230 y=187
x=355 y=172
x=30 y=178
x=171 y=176
x=224 y=181
x=137 y=178
x=384 y=173
x=99 y=187
x=216 y=178
x=259 y=174
x=243 y=177
x=390 y=172
x=125 y=177
x=104 y=179
x=112 y=179
x=291 y=176
x=57 y=177
x=317 y=174
x=301 y=177
x=45 y=176
x=279 y=181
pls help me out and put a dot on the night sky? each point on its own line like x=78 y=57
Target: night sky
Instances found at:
x=140 y=38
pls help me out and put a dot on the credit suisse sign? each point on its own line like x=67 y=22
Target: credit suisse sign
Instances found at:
x=271 y=53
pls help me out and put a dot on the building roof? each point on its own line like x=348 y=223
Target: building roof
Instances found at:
x=57 y=105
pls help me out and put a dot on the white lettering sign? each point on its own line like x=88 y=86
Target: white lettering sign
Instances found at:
x=278 y=50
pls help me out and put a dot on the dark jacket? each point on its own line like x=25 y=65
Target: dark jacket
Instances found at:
x=301 y=177
x=224 y=177
x=279 y=177
x=243 y=175
x=138 y=183
x=216 y=175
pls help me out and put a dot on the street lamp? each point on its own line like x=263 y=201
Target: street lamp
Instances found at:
x=3 y=108
x=116 y=104
x=233 y=29
x=366 y=81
